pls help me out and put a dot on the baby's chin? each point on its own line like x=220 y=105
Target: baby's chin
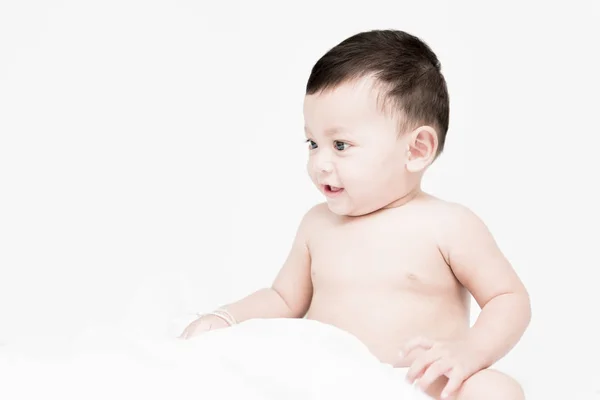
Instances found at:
x=348 y=210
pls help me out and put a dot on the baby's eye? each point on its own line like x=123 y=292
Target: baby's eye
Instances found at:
x=340 y=145
x=311 y=144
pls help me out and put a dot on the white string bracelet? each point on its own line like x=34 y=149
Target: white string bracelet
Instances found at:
x=223 y=314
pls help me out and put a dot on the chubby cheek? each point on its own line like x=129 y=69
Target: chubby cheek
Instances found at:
x=359 y=174
x=311 y=172
x=369 y=181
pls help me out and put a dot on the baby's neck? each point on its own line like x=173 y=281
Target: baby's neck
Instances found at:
x=411 y=195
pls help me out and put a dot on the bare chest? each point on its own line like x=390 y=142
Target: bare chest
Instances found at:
x=378 y=256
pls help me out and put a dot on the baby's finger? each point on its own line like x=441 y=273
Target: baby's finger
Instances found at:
x=183 y=334
x=436 y=370
x=197 y=329
x=188 y=331
x=455 y=380
x=419 y=365
x=420 y=341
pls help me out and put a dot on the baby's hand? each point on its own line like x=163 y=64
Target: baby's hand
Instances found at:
x=455 y=360
x=203 y=324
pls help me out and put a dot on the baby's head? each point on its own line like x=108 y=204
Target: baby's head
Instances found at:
x=376 y=113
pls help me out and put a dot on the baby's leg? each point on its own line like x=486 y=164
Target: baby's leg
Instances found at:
x=487 y=384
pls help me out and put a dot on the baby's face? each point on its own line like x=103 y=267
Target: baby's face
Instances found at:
x=356 y=158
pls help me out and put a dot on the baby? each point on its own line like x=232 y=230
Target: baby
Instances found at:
x=382 y=259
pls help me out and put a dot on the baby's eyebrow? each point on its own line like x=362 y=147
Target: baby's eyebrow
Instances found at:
x=330 y=131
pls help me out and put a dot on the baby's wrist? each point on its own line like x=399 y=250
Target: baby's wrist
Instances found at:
x=222 y=314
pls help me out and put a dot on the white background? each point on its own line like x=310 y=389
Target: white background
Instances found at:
x=152 y=157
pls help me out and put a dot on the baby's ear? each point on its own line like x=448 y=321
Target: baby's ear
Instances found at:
x=422 y=147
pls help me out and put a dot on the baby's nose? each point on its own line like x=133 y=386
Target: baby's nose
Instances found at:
x=325 y=166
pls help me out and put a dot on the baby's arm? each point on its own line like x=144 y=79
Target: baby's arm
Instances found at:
x=290 y=294
x=482 y=268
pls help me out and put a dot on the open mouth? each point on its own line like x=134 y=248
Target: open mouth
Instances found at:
x=332 y=190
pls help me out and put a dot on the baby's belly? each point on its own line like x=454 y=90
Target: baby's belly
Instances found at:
x=384 y=322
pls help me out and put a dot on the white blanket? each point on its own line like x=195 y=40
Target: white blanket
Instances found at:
x=259 y=359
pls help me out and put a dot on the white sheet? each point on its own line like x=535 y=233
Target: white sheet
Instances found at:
x=259 y=359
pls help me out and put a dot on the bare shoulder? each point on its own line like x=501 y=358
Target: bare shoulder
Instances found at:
x=453 y=217
x=314 y=218
x=320 y=210
x=317 y=214
x=456 y=225
x=463 y=222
